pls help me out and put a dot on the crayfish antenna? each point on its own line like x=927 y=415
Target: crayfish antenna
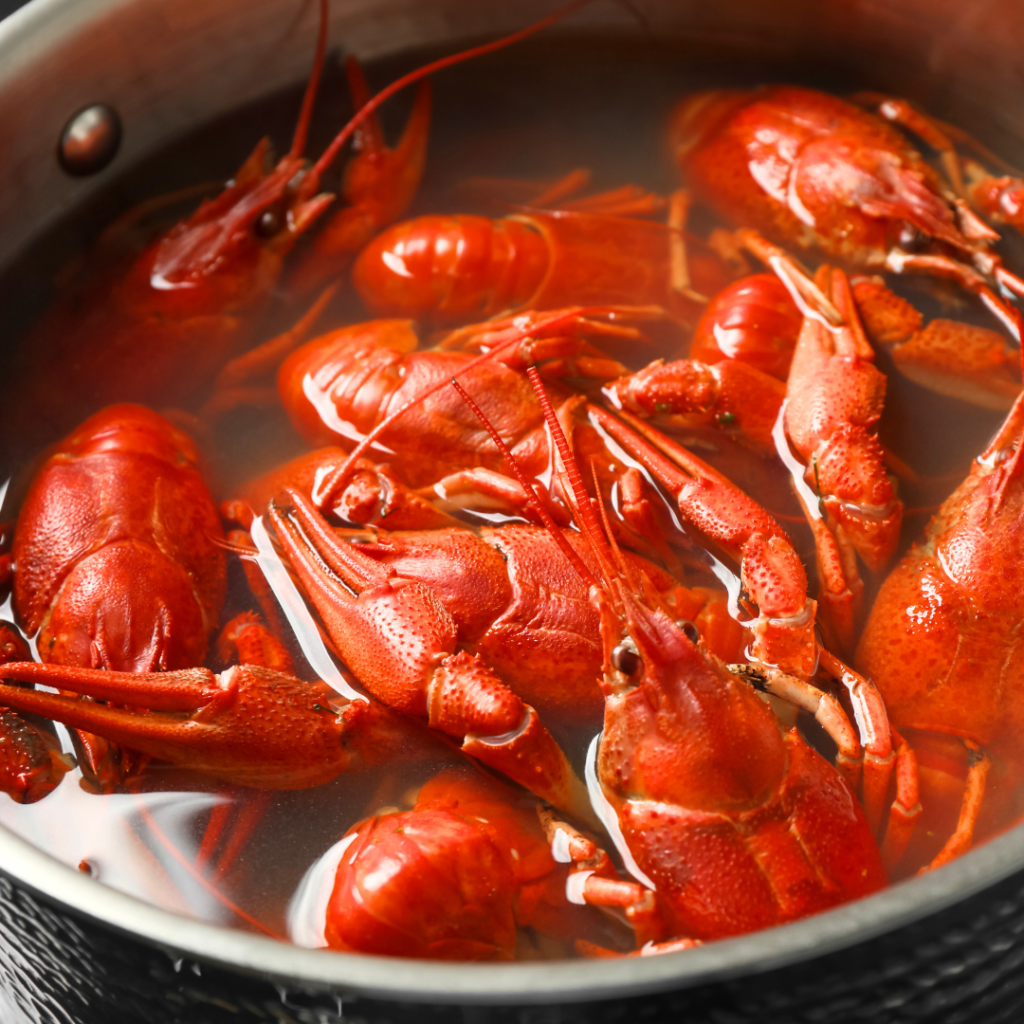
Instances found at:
x=605 y=595
x=312 y=181
x=589 y=524
x=567 y=549
x=309 y=98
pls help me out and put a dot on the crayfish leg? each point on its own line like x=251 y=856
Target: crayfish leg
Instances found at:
x=899 y=111
x=965 y=361
x=955 y=771
x=906 y=807
x=968 y=278
x=974 y=793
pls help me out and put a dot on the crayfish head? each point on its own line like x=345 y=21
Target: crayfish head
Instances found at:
x=228 y=254
x=679 y=727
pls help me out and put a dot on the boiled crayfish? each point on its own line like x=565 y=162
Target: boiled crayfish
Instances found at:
x=117 y=565
x=701 y=780
x=456 y=876
x=942 y=644
x=120 y=575
x=812 y=169
x=448 y=270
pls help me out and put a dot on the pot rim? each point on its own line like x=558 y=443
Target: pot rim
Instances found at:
x=25 y=36
x=552 y=981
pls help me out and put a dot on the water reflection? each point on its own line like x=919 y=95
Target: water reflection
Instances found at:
x=109 y=836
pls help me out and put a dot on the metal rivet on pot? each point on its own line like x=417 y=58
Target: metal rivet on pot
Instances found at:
x=89 y=140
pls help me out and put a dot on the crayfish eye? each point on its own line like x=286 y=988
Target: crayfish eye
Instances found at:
x=269 y=223
x=689 y=629
x=626 y=660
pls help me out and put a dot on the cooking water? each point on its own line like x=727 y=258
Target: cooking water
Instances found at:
x=269 y=864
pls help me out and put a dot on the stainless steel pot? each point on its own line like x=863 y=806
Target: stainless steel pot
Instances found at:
x=74 y=950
